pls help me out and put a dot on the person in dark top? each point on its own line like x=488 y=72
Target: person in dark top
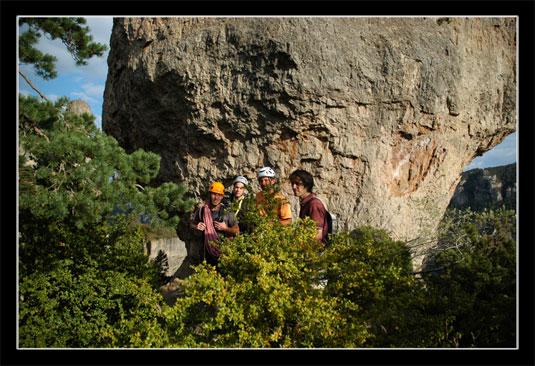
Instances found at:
x=310 y=206
x=237 y=200
x=214 y=222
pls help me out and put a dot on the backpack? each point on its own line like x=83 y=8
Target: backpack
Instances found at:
x=330 y=226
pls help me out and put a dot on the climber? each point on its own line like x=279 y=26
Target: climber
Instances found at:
x=310 y=206
x=281 y=206
x=214 y=223
x=239 y=191
x=238 y=202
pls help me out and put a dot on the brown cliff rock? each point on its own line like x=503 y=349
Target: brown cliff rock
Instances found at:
x=489 y=188
x=79 y=106
x=384 y=112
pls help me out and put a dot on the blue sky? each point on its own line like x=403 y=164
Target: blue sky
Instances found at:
x=502 y=154
x=75 y=82
x=87 y=83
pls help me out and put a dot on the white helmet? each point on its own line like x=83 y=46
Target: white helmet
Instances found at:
x=266 y=172
x=241 y=179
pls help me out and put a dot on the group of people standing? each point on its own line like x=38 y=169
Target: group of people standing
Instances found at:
x=215 y=220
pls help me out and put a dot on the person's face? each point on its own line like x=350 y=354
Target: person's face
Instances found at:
x=215 y=198
x=298 y=187
x=265 y=182
x=238 y=190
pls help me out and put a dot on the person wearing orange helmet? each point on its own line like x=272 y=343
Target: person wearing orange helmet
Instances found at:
x=214 y=222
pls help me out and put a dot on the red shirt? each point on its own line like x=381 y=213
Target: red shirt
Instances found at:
x=312 y=207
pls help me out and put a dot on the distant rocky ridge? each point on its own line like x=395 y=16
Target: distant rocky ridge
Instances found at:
x=487 y=188
x=384 y=112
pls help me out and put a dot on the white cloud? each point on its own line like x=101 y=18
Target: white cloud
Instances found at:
x=93 y=89
x=65 y=63
x=100 y=28
x=90 y=92
x=96 y=68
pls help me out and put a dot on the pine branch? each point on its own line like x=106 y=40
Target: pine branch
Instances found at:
x=33 y=86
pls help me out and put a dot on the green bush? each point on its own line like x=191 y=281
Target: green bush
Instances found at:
x=269 y=291
x=262 y=296
x=84 y=280
x=372 y=275
x=113 y=304
x=474 y=283
x=276 y=287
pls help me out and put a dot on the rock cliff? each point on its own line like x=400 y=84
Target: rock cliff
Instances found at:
x=79 y=106
x=384 y=112
x=487 y=188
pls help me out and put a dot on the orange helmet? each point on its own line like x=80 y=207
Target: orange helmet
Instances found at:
x=217 y=187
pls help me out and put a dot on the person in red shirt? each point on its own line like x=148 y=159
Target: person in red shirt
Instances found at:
x=302 y=183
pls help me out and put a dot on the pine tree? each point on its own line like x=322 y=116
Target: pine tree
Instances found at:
x=72 y=34
x=80 y=203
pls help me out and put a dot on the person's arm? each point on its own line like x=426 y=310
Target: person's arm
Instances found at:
x=285 y=213
x=196 y=222
x=223 y=227
x=229 y=225
x=317 y=213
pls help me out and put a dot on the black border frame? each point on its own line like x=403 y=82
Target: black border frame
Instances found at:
x=524 y=10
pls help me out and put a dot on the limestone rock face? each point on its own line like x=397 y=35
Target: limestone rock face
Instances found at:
x=79 y=106
x=384 y=112
x=174 y=249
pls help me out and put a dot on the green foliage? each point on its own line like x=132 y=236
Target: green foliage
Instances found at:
x=70 y=31
x=167 y=201
x=275 y=287
x=104 y=310
x=262 y=296
x=104 y=300
x=373 y=275
x=80 y=176
x=475 y=279
x=84 y=278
